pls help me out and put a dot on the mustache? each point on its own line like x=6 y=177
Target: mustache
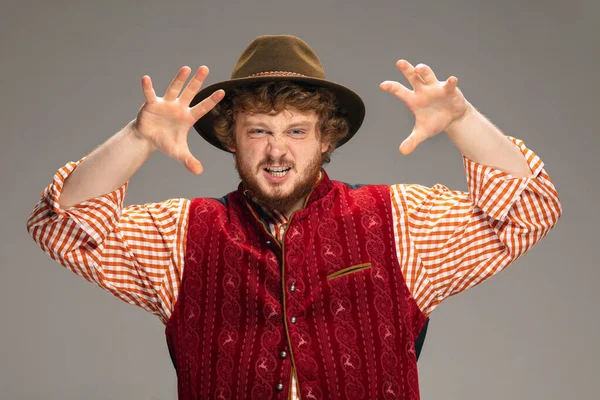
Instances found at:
x=269 y=162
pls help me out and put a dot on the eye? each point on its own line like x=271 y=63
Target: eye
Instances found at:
x=297 y=131
x=257 y=131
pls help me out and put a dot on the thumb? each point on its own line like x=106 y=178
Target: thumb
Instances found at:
x=192 y=163
x=411 y=142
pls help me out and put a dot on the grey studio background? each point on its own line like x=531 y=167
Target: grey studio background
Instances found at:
x=70 y=78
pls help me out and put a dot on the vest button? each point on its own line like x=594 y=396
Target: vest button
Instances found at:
x=280 y=387
x=292 y=288
x=283 y=354
x=267 y=241
x=293 y=320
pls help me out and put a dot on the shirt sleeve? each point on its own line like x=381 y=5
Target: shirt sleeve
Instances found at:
x=448 y=241
x=135 y=252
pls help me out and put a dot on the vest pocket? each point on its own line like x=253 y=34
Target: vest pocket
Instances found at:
x=349 y=270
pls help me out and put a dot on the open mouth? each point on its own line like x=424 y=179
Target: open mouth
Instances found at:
x=277 y=171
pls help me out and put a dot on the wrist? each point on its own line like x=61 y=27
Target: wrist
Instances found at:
x=457 y=125
x=138 y=138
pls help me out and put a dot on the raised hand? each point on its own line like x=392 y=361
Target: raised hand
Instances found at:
x=436 y=105
x=166 y=121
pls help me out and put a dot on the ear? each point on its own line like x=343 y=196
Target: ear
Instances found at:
x=324 y=146
x=231 y=149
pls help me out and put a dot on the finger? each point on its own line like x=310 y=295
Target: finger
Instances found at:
x=191 y=163
x=194 y=85
x=426 y=73
x=148 y=90
x=200 y=109
x=411 y=142
x=450 y=84
x=397 y=89
x=177 y=83
x=409 y=72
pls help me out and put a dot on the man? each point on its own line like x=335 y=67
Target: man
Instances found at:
x=294 y=286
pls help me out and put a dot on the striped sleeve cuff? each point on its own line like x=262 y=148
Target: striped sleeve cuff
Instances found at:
x=97 y=217
x=495 y=191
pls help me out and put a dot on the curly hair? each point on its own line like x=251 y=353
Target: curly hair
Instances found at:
x=278 y=96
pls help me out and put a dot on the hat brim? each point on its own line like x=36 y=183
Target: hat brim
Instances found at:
x=347 y=100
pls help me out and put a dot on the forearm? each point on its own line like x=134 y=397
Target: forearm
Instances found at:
x=480 y=141
x=106 y=168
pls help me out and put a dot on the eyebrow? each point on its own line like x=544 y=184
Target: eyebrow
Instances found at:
x=264 y=125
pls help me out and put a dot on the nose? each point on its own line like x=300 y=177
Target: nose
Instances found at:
x=277 y=146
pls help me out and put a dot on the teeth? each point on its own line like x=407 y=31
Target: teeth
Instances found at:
x=277 y=169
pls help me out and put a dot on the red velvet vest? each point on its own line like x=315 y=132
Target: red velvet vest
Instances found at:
x=331 y=301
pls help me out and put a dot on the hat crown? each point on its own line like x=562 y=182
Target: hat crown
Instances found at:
x=281 y=54
x=276 y=58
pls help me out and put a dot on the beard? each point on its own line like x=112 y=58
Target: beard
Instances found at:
x=277 y=199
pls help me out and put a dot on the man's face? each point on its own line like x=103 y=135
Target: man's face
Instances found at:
x=278 y=156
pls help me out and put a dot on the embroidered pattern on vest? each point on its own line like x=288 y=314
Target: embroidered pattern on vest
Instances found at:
x=351 y=337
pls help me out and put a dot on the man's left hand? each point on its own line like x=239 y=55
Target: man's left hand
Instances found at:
x=436 y=105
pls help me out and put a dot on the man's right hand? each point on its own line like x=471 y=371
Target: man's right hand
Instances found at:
x=166 y=121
